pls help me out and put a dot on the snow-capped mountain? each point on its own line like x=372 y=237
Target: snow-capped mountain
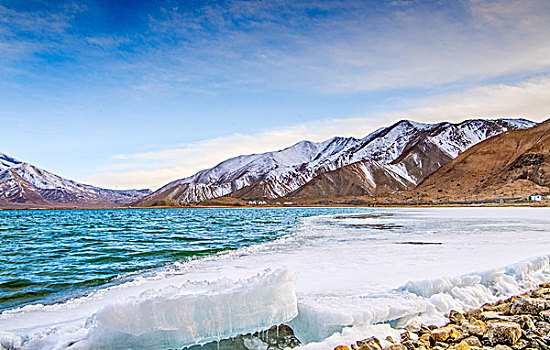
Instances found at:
x=23 y=184
x=277 y=174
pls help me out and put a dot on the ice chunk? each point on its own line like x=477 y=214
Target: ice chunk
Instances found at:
x=198 y=313
x=10 y=341
x=173 y=317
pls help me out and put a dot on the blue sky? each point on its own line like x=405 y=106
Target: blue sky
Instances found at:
x=137 y=93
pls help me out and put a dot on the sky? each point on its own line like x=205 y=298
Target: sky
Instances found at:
x=134 y=94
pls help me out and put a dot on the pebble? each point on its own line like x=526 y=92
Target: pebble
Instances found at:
x=503 y=332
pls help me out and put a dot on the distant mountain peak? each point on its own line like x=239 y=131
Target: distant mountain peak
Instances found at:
x=25 y=185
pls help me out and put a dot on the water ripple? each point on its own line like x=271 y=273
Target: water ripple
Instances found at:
x=50 y=255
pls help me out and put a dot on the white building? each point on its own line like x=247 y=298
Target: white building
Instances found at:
x=535 y=197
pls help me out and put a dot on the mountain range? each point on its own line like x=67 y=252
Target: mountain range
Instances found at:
x=26 y=185
x=392 y=158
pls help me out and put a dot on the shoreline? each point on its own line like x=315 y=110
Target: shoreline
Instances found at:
x=373 y=205
x=516 y=323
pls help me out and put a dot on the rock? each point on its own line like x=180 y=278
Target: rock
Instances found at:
x=441 y=345
x=474 y=314
x=525 y=321
x=409 y=345
x=545 y=315
x=529 y=306
x=369 y=344
x=413 y=327
x=534 y=340
x=473 y=341
x=456 y=317
x=390 y=339
x=493 y=316
x=541 y=293
x=457 y=335
x=504 y=333
x=502 y=347
x=503 y=308
x=489 y=315
x=341 y=347
x=462 y=346
x=542 y=327
x=424 y=343
x=488 y=307
x=425 y=329
x=405 y=336
x=395 y=347
x=445 y=333
x=477 y=328
x=427 y=338
x=521 y=344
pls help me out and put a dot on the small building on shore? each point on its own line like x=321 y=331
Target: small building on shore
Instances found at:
x=535 y=197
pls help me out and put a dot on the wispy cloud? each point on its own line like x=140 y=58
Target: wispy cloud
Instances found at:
x=324 y=46
x=29 y=32
x=159 y=167
x=358 y=46
x=528 y=99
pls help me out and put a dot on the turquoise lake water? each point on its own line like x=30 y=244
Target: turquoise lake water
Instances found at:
x=47 y=256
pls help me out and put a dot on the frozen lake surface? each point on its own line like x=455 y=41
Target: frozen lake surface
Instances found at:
x=333 y=277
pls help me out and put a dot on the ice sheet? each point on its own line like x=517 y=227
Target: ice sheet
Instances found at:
x=353 y=272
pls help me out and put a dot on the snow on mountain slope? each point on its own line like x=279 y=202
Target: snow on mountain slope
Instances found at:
x=23 y=184
x=276 y=174
x=7 y=161
x=424 y=153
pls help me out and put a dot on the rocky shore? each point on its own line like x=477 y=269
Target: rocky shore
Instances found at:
x=517 y=323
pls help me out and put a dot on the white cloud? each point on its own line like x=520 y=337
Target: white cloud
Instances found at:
x=171 y=164
x=528 y=99
x=349 y=46
x=357 y=47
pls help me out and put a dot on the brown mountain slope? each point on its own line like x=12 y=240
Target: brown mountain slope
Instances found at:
x=364 y=178
x=512 y=164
